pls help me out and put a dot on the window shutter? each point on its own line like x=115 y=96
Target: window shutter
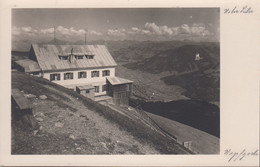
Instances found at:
x=58 y=77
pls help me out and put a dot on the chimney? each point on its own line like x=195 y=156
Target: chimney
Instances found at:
x=71 y=57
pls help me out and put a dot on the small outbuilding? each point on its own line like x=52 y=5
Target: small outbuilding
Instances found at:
x=28 y=66
x=86 y=90
x=120 y=90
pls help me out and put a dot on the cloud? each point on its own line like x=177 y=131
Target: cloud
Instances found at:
x=16 y=31
x=93 y=32
x=137 y=31
x=153 y=31
x=27 y=29
x=184 y=29
x=69 y=31
x=47 y=31
x=199 y=29
x=153 y=28
x=23 y=30
x=159 y=30
x=116 y=32
x=149 y=31
x=62 y=33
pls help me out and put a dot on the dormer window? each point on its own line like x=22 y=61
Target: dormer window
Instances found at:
x=78 y=57
x=89 y=56
x=63 y=57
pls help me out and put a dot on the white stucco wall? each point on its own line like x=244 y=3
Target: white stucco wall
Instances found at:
x=71 y=83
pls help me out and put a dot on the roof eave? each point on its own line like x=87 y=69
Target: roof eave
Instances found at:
x=122 y=83
x=76 y=69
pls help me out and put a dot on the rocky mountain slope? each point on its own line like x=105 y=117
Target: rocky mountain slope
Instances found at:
x=69 y=123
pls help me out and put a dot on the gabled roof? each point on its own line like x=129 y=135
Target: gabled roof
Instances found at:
x=118 y=81
x=48 y=56
x=28 y=65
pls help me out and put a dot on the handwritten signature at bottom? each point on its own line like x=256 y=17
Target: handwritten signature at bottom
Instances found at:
x=238 y=156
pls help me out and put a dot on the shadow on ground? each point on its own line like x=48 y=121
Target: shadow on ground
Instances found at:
x=198 y=114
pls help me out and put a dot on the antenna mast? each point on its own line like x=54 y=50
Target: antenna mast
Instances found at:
x=54 y=35
x=86 y=36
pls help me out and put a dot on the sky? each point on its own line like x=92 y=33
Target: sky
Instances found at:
x=201 y=24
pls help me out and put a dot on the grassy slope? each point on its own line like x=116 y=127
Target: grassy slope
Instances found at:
x=73 y=109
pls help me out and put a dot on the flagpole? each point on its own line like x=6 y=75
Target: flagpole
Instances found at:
x=54 y=35
x=85 y=37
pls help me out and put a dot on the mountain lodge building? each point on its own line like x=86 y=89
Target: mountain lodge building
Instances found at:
x=87 y=69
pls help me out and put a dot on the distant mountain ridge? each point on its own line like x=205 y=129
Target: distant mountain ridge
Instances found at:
x=200 y=78
x=24 y=45
x=180 y=59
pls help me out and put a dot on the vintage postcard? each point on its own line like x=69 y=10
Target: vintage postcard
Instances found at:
x=127 y=83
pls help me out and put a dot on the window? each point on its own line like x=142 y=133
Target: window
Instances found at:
x=68 y=75
x=96 y=89
x=128 y=87
x=54 y=77
x=89 y=56
x=104 y=88
x=94 y=74
x=82 y=74
x=79 y=57
x=106 y=73
x=63 y=57
x=87 y=91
